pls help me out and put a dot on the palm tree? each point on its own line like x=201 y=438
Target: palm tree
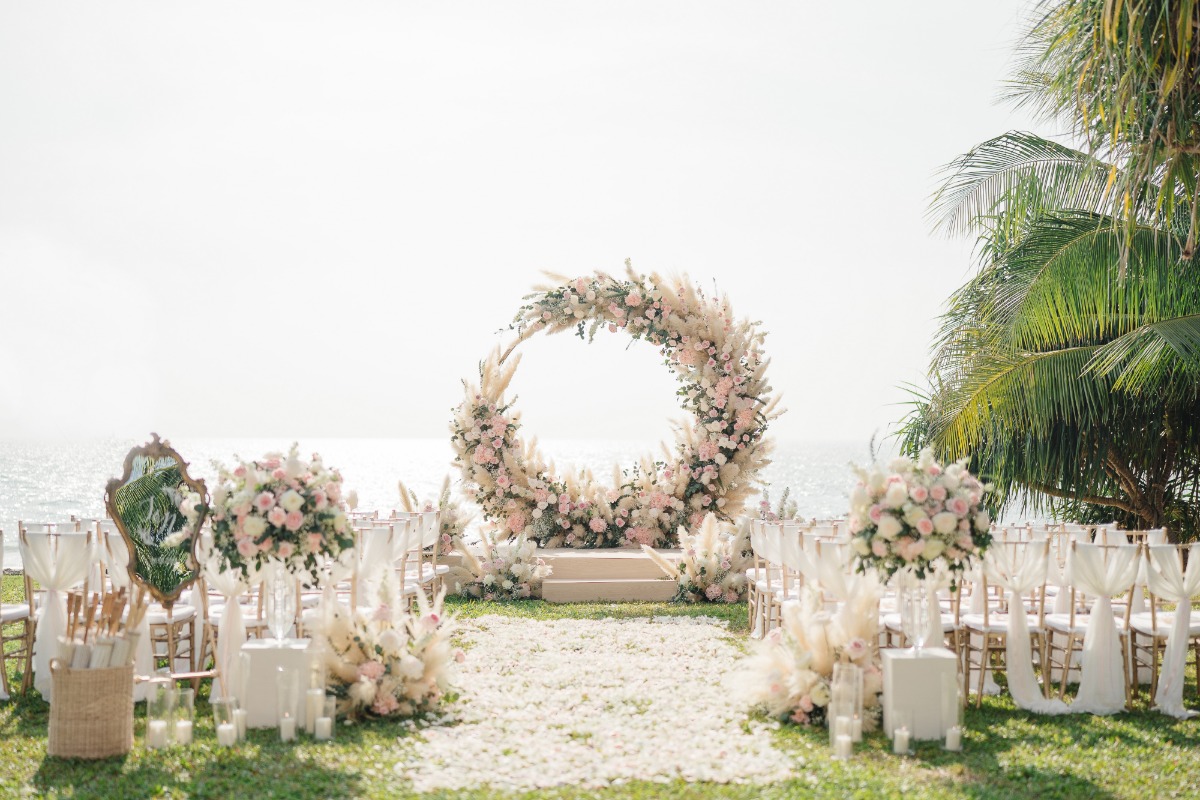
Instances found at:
x=1069 y=366
x=1123 y=77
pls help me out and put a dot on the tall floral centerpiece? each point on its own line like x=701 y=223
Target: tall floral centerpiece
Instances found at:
x=914 y=520
x=281 y=511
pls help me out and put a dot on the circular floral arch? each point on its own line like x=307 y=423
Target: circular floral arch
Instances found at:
x=721 y=369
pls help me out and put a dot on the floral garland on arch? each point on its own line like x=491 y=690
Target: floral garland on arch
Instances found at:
x=721 y=368
x=281 y=509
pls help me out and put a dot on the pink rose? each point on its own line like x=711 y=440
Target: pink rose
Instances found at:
x=879 y=548
x=266 y=544
x=910 y=549
x=731 y=596
x=277 y=516
x=279 y=474
x=516 y=522
x=246 y=548
x=806 y=704
x=294 y=520
x=925 y=526
x=633 y=299
x=713 y=592
x=938 y=492
x=264 y=501
x=371 y=670
x=918 y=493
x=385 y=704
x=315 y=540
x=286 y=549
x=875 y=513
x=240 y=472
x=320 y=499
x=597 y=525
x=958 y=506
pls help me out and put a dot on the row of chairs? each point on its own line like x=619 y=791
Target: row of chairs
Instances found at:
x=403 y=546
x=1064 y=567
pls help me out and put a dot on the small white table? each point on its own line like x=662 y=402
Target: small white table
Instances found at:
x=266 y=656
x=920 y=691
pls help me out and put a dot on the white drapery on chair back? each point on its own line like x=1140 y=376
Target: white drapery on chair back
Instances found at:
x=1102 y=684
x=1018 y=568
x=1168 y=581
x=231 y=584
x=57 y=569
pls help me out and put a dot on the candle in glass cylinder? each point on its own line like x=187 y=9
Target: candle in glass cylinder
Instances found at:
x=845 y=746
x=900 y=741
x=239 y=721
x=183 y=731
x=324 y=729
x=156 y=734
x=314 y=706
x=954 y=739
x=227 y=734
x=287 y=729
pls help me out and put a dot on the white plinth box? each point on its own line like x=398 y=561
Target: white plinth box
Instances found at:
x=920 y=692
x=266 y=656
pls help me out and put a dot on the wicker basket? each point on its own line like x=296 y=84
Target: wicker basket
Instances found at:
x=91 y=713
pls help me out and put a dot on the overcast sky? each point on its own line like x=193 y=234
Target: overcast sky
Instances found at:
x=311 y=219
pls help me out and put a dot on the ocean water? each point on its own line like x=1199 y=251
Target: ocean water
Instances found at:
x=51 y=481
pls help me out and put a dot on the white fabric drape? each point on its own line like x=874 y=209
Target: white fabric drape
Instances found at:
x=231 y=584
x=374 y=566
x=1102 y=683
x=56 y=572
x=1018 y=573
x=975 y=605
x=1168 y=582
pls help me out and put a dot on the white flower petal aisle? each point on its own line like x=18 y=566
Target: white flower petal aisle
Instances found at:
x=594 y=702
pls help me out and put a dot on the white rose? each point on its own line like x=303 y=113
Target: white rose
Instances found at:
x=820 y=694
x=391 y=641
x=489 y=579
x=982 y=521
x=897 y=494
x=933 y=548
x=411 y=667
x=876 y=481
x=889 y=527
x=914 y=514
x=945 y=522
x=291 y=501
x=860 y=545
x=254 y=526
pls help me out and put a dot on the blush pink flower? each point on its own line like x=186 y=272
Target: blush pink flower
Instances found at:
x=286 y=549
x=371 y=670
x=925 y=526
x=910 y=549
x=266 y=544
x=277 y=516
x=938 y=493
x=264 y=501
x=713 y=592
x=958 y=506
x=633 y=299
x=385 y=704
x=516 y=522
x=315 y=540
x=294 y=520
x=875 y=513
x=879 y=548
x=246 y=548
x=597 y=525
x=918 y=493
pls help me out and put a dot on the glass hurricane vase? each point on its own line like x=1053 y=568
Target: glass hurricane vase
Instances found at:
x=281 y=604
x=915 y=615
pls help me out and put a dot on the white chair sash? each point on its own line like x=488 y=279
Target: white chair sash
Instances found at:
x=56 y=572
x=231 y=633
x=1167 y=581
x=1102 y=683
x=1018 y=573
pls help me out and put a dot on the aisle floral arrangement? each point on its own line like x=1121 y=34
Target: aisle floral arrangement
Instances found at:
x=712 y=562
x=390 y=661
x=918 y=516
x=785 y=509
x=508 y=570
x=721 y=367
x=453 y=518
x=281 y=509
x=789 y=674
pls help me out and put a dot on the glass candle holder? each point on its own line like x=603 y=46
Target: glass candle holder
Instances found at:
x=223 y=719
x=160 y=716
x=323 y=730
x=241 y=684
x=287 y=699
x=844 y=709
x=954 y=704
x=185 y=715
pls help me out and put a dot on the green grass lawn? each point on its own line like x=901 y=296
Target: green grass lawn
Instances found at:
x=1008 y=753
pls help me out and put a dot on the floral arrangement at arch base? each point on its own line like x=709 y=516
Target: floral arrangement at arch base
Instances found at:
x=721 y=369
x=918 y=517
x=788 y=676
x=509 y=570
x=712 y=562
x=389 y=661
x=281 y=509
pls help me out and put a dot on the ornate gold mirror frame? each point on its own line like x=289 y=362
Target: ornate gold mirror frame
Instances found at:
x=119 y=508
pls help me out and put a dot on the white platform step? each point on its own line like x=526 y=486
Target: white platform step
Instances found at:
x=616 y=590
x=578 y=564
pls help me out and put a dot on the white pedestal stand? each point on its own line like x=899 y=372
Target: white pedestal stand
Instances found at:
x=266 y=656
x=920 y=692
